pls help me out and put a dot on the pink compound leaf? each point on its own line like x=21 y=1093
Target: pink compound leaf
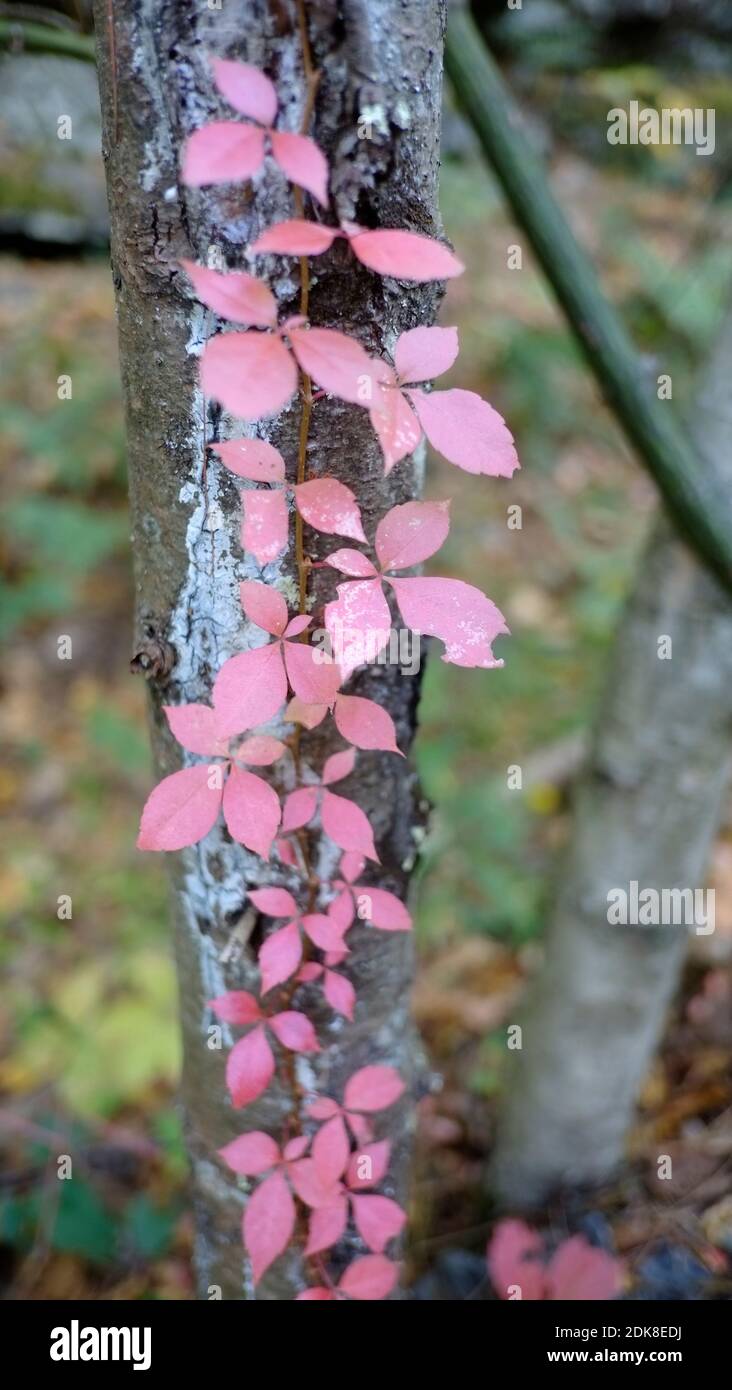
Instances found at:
x=222 y=152
x=373 y=1088
x=254 y=459
x=347 y=825
x=251 y=1154
x=404 y=255
x=424 y=353
x=458 y=613
x=247 y=89
x=268 y=1223
x=237 y=1006
x=181 y=810
x=249 y=689
x=252 y=374
x=378 y=1220
x=250 y=1067
x=233 y=295
x=329 y=506
x=303 y=162
x=265 y=525
x=251 y=811
x=410 y=533
x=467 y=431
x=279 y=956
x=370 y=1278
x=295 y=237
x=294 y=1031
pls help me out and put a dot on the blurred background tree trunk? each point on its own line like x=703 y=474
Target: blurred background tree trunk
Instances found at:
x=647 y=808
x=377 y=115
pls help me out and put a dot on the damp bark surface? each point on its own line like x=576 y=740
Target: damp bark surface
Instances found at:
x=377 y=118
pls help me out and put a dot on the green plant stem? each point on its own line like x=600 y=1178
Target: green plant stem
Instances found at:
x=42 y=38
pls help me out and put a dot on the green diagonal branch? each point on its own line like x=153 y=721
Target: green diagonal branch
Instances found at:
x=700 y=507
x=43 y=38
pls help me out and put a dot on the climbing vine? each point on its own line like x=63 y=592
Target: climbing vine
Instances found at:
x=330 y=1162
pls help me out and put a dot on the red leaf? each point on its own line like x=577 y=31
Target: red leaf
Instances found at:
x=251 y=811
x=222 y=152
x=329 y=506
x=181 y=810
x=249 y=1067
x=269 y=1220
x=373 y=1088
x=295 y=237
x=264 y=606
x=410 y=533
x=252 y=374
x=251 y=1154
x=347 y=825
x=303 y=162
x=252 y=458
x=250 y=688
x=280 y=956
x=264 y=525
x=459 y=614
x=233 y=295
x=370 y=1278
x=294 y=1031
x=378 y=1220
x=246 y=89
x=405 y=255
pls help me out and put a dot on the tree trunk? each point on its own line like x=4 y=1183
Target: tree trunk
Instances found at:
x=647 y=809
x=377 y=117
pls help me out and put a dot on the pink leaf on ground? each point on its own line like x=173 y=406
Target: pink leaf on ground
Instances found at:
x=330 y=1151
x=251 y=1154
x=251 y=811
x=410 y=533
x=180 y=811
x=338 y=766
x=294 y=1031
x=459 y=614
x=236 y=1006
x=249 y=1067
x=396 y=425
x=222 y=152
x=370 y=1278
x=329 y=506
x=385 y=910
x=233 y=295
x=365 y=724
x=246 y=89
x=299 y=808
x=264 y=525
x=295 y=237
x=269 y=1220
x=264 y=606
x=358 y=624
x=579 y=1271
x=313 y=676
x=251 y=374
x=368 y=1165
x=261 y=750
x=326 y=1226
x=405 y=255
x=196 y=728
x=378 y=1220
x=340 y=993
x=347 y=825
x=280 y=956
x=373 y=1088
x=336 y=362
x=467 y=431
x=513 y=1260
x=273 y=902
x=303 y=162
x=249 y=689
x=252 y=458
x=424 y=353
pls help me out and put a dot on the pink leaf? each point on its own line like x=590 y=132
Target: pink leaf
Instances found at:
x=323 y=931
x=467 y=431
x=329 y=506
x=370 y=1278
x=252 y=458
x=385 y=910
x=269 y=1220
x=341 y=911
x=251 y=811
x=365 y=724
x=222 y=152
x=512 y=1260
x=352 y=866
x=336 y=362
x=314 y=677
x=249 y=1067
x=347 y=825
x=323 y=1108
x=303 y=162
x=260 y=751
x=351 y=562
x=273 y=902
x=424 y=353
x=233 y=295
x=264 y=606
x=251 y=1154
x=264 y=525
x=378 y=1220
x=373 y=1088
x=299 y=808
x=396 y=425
x=330 y=1151
x=340 y=993
x=459 y=614
x=286 y=853
x=280 y=956
x=249 y=689
x=409 y=534
x=368 y=1165
x=338 y=766
x=405 y=255
x=317 y=1294
x=579 y=1272
x=294 y=1031
x=326 y=1226
x=252 y=374
x=196 y=728
x=295 y=1148
x=236 y=1006
x=246 y=89
x=295 y=237
x=308 y=1184
x=181 y=810
x=297 y=625
x=358 y=624
x=309 y=716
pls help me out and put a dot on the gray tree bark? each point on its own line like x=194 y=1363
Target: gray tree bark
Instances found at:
x=647 y=808
x=380 y=64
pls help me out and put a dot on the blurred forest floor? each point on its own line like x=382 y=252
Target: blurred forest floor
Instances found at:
x=88 y=1036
